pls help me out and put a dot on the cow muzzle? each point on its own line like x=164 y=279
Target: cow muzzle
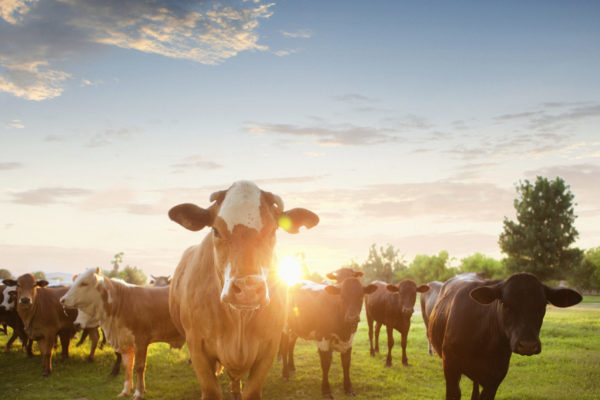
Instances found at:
x=25 y=301
x=246 y=293
x=528 y=347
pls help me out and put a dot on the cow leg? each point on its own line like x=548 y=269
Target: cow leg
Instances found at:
x=235 y=388
x=283 y=352
x=429 y=347
x=291 y=345
x=117 y=366
x=28 y=344
x=390 y=343
x=377 y=329
x=346 y=356
x=370 y=324
x=488 y=392
x=141 y=352
x=65 y=340
x=94 y=338
x=258 y=373
x=205 y=372
x=103 y=342
x=10 y=342
x=325 y=357
x=452 y=377
x=127 y=358
x=475 y=392
x=46 y=345
x=403 y=342
x=84 y=334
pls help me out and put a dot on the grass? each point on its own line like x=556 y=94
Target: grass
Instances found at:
x=567 y=368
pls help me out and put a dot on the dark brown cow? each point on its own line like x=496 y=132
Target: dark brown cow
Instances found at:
x=158 y=281
x=343 y=273
x=427 y=301
x=43 y=316
x=476 y=325
x=9 y=315
x=392 y=305
x=329 y=315
x=225 y=294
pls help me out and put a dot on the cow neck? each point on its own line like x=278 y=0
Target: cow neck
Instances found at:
x=112 y=292
x=28 y=318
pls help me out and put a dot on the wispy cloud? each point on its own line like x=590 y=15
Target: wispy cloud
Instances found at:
x=5 y=166
x=15 y=124
x=109 y=136
x=48 y=195
x=299 y=34
x=38 y=34
x=195 y=162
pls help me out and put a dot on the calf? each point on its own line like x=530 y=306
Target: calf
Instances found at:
x=9 y=315
x=90 y=324
x=131 y=316
x=428 y=300
x=329 y=315
x=43 y=316
x=392 y=305
x=158 y=281
x=476 y=325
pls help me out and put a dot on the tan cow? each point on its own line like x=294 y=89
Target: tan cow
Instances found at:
x=43 y=317
x=131 y=316
x=225 y=295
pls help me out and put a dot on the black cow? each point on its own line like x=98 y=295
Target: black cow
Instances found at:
x=428 y=300
x=341 y=274
x=392 y=305
x=329 y=315
x=476 y=325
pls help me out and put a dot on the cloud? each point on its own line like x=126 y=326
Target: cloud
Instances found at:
x=5 y=166
x=38 y=35
x=195 y=162
x=354 y=98
x=15 y=124
x=106 y=137
x=48 y=195
x=299 y=34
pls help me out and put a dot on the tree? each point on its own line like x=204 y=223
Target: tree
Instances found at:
x=382 y=264
x=39 y=275
x=487 y=267
x=538 y=242
x=426 y=268
x=129 y=274
x=5 y=274
x=586 y=276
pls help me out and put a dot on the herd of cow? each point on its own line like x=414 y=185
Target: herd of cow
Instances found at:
x=227 y=303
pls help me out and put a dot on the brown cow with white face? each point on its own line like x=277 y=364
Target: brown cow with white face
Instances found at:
x=158 y=281
x=43 y=316
x=225 y=295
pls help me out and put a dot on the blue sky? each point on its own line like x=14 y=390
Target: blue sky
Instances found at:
x=406 y=123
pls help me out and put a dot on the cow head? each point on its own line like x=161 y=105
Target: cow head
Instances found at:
x=405 y=295
x=9 y=298
x=87 y=292
x=522 y=301
x=344 y=273
x=243 y=219
x=158 y=281
x=351 y=292
x=27 y=286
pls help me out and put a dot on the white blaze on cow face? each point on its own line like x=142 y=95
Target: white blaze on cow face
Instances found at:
x=241 y=206
x=7 y=305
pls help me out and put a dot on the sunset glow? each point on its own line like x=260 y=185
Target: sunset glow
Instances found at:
x=290 y=270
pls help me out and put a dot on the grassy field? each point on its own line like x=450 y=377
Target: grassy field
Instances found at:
x=567 y=368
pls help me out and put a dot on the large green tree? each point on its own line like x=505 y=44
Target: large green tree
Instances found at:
x=382 y=264
x=426 y=268
x=485 y=266
x=539 y=240
x=586 y=276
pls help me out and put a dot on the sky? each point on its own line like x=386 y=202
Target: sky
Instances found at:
x=405 y=123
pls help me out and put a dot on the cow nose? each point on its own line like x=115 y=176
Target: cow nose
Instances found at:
x=25 y=300
x=528 y=347
x=248 y=292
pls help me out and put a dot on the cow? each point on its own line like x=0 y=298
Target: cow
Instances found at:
x=342 y=273
x=477 y=324
x=88 y=323
x=9 y=315
x=158 y=281
x=225 y=294
x=329 y=315
x=43 y=316
x=427 y=301
x=392 y=305
x=131 y=316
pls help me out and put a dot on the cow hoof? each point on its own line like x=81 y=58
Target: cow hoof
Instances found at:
x=372 y=353
x=350 y=392
x=388 y=365
x=123 y=394
x=327 y=396
x=406 y=364
x=90 y=359
x=137 y=395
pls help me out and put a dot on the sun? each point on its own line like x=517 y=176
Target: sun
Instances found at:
x=290 y=270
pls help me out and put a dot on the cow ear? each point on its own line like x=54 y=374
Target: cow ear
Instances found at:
x=291 y=220
x=358 y=274
x=151 y=282
x=190 y=216
x=332 y=289
x=562 y=297
x=9 y=282
x=423 y=288
x=331 y=275
x=42 y=283
x=486 y=294
x=369 y=289
x=392 y=288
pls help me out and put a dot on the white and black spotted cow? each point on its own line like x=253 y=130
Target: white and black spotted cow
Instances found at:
x=329 y=315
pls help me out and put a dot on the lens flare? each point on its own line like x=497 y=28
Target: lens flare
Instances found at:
x=290 y=270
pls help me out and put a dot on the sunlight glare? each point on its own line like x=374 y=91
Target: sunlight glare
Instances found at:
x=290 y=270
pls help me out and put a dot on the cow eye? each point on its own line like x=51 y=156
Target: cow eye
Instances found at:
x=216 y=233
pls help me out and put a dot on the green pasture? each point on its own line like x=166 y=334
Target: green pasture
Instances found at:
x=567 y=368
